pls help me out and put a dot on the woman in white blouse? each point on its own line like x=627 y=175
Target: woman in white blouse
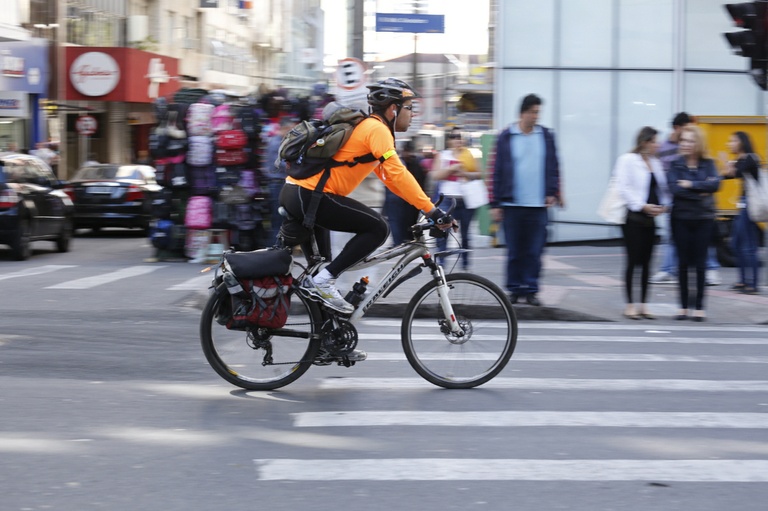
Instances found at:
x=643 y=186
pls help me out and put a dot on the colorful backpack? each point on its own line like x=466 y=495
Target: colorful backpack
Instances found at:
x=199 y=211
x=222 y=119
x=200 y=151
x=199 y=119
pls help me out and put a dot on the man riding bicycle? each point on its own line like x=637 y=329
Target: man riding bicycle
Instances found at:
x=391 y=106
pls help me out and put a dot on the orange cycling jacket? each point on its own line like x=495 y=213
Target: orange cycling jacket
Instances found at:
x=371 y=136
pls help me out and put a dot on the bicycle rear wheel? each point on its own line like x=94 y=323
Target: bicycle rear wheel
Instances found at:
x=243 y=357
x=488 y=319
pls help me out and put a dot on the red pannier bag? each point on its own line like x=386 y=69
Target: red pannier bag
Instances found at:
x=259 y=283
x=266 y=306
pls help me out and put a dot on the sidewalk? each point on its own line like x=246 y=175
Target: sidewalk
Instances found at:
x=585 y=283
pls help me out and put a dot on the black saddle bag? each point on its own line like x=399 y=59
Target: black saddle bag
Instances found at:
x=259 y=263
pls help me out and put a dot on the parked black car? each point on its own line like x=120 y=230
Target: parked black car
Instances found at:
x=113 y=195
x=33 y=205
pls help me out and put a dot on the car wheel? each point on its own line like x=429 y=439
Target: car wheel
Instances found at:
x=21 y=247
x=65 y=236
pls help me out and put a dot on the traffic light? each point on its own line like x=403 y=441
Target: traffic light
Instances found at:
x=752 y=42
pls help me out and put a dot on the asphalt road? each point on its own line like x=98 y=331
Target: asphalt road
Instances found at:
x=108 y=403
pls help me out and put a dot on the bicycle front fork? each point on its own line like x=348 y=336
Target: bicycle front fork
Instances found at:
x=445 y=303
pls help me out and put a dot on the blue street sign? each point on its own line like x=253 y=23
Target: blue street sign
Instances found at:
x=411 y=23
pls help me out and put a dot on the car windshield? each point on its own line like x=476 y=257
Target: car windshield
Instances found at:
x=109 y=172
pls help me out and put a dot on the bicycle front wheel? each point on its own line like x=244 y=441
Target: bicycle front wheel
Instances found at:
x=489 y=323
x=260 y=359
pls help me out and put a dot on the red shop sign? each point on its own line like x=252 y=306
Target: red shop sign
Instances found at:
x=119 y=74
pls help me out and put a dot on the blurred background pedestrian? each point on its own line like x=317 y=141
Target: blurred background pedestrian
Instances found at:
x=745 y=234
x=667 y=274
x=400 y=214
x=526 y=182
x=693 y=179
x=273 y=172
x=450 y=168
x=642 y=184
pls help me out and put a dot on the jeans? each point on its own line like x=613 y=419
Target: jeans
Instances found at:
x=464 y=217
x=525 y=232
x=744 y=240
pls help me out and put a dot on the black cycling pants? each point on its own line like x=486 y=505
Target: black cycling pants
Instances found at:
x=334 y=213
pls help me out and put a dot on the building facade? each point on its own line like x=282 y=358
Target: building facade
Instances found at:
x=110 y=59
x=606 y=68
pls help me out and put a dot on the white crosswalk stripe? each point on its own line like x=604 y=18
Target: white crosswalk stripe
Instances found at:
x=40 y=270
x=194 y=284
x=583 y=357
x=589 y=338
x=692 y=420
x=606 y=385
x=572 y=326
x=197 y=283
x=442 y=469
x=105 y=278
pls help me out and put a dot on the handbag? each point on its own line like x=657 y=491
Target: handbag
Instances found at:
x=450 y=188
x=756 y=191
x=612 y=208
x=475 y=193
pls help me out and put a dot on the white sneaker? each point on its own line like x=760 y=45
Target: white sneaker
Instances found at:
x=713 y=278
x=663 y=277
x=328 y=293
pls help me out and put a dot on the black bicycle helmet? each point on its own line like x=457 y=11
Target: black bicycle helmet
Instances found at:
x=390 y=90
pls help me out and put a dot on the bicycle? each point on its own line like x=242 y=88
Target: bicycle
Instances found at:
x=458 y=331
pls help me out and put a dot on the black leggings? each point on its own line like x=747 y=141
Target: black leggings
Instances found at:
x=692 y=241
x=638 y=243
x=335 y=213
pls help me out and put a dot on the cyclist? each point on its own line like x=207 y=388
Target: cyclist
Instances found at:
x=391 y=105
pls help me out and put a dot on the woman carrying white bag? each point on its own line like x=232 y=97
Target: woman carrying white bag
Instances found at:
x=642 y=185
x=453 y=169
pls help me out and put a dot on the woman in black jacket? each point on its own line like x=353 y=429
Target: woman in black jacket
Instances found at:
x=693 y=179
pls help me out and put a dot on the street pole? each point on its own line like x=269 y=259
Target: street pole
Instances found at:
x=61 y=76
x=415 y=62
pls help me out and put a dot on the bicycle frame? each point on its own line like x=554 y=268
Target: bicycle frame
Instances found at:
x=408 y=252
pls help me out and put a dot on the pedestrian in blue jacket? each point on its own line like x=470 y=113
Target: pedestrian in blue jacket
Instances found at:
x=526 y=182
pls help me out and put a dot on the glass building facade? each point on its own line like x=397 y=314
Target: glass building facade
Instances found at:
x=606 y=68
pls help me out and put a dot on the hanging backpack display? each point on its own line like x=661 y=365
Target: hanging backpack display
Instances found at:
x=200 y=151
x=199 y=119
x=199 y=210
x=231 y=139
x=222 y=119
x=203 y=180
x=228 y=157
